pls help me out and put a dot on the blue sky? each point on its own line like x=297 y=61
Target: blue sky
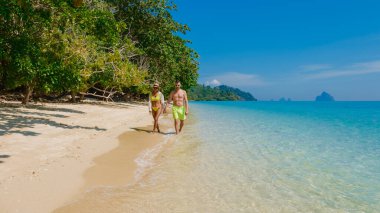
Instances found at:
x=287 y=48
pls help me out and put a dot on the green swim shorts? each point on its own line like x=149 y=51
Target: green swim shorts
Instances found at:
x=179 y=112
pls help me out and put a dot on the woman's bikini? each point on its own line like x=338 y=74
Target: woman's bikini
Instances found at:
x=155 y=98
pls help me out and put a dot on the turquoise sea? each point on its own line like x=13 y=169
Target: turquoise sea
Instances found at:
x=264 y=157
x=270 y=157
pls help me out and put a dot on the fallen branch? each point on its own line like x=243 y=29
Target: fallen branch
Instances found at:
x=105 y=94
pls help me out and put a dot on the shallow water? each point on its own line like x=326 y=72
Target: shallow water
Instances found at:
x=263 y=157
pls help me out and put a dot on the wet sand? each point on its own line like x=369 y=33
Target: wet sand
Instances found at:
x=119 y=168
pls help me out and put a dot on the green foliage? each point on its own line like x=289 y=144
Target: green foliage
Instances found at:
x=243 y=96
x=57 y=46
x=152 y=27
x=219 y=93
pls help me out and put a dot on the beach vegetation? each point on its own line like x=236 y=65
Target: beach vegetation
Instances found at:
x=218 y=93
x=92 y=48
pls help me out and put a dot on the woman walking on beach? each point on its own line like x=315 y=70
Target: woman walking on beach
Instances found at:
x=156 y=105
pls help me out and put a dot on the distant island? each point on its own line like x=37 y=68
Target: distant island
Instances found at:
x=218 y=93
x=324 y=97
x=284 y=99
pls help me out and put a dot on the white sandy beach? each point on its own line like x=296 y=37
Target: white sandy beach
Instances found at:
x=47 y=151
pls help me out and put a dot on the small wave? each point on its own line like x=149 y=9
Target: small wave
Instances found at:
x=145 y=160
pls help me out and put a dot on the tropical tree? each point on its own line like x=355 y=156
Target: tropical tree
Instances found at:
x=61 y=46
x=151 y=26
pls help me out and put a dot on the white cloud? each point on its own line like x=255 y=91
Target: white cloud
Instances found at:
x=315 y=67
x=213 y=83
x=239 y=79
x=369 y=65
x=353 y=69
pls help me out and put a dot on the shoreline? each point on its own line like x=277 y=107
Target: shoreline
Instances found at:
x=123 y=167
x=118 y=166
x=52 y=153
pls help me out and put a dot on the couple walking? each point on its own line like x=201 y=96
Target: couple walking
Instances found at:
x=180 y=106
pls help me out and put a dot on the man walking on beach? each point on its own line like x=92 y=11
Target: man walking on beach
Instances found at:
x=180 y=106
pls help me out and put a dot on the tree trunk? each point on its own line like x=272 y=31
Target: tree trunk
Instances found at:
x=73 y=96
x=28 y=93
x=81 y=97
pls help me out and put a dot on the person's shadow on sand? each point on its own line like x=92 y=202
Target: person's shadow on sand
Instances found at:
x=150 y=131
